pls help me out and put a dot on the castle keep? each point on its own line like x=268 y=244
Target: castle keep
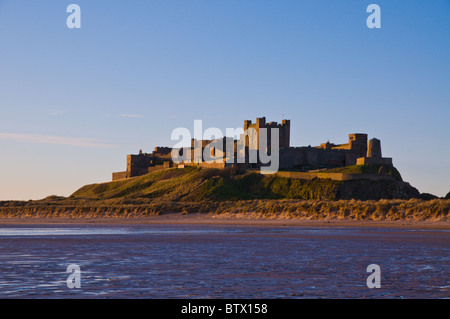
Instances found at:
x=358 y=151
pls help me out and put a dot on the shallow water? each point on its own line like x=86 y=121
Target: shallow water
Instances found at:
x=187 y=261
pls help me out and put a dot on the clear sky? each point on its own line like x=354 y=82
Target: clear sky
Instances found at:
x=74 y=102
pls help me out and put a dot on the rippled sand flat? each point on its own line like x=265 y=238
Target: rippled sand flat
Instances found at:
x=221 y=261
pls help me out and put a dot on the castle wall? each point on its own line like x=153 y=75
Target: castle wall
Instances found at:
x=333 y=176
x=136 y=164
x=374 y=161
x=350 y=158
x=295 y=157
x=209 y=165
x=119 y=175
x=142 y=164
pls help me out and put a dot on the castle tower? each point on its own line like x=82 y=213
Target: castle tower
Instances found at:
x=285 y=135
x=373 y=155
x=358 y=143
x=374 y=148
x=284 y=131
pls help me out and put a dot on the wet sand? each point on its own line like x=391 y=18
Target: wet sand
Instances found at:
x=206 y=219
x=145 y=260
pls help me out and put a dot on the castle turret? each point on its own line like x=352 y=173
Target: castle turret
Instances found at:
x=285 y=135
x=374 y=148
x=373 y=156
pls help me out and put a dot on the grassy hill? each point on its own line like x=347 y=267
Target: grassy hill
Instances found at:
x=228 y=194
x=199 y=184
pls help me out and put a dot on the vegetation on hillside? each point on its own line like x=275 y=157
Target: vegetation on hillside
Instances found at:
x=230 y=194
x=141 y=208
x=198 y=184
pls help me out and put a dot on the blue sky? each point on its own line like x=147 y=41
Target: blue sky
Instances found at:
x=74 y=102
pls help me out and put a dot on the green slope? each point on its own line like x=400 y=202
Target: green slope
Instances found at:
x=199 y=184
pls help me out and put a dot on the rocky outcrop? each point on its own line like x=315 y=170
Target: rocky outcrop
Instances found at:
x=374 y=190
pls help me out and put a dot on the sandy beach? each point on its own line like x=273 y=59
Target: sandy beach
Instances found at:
x=190 y=256
x=210 y=219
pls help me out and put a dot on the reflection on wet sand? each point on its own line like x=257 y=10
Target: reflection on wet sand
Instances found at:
x=218 y=261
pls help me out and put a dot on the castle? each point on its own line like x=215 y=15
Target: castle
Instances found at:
x=358 y=151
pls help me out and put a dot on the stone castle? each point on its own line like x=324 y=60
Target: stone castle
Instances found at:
x=358 y=151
